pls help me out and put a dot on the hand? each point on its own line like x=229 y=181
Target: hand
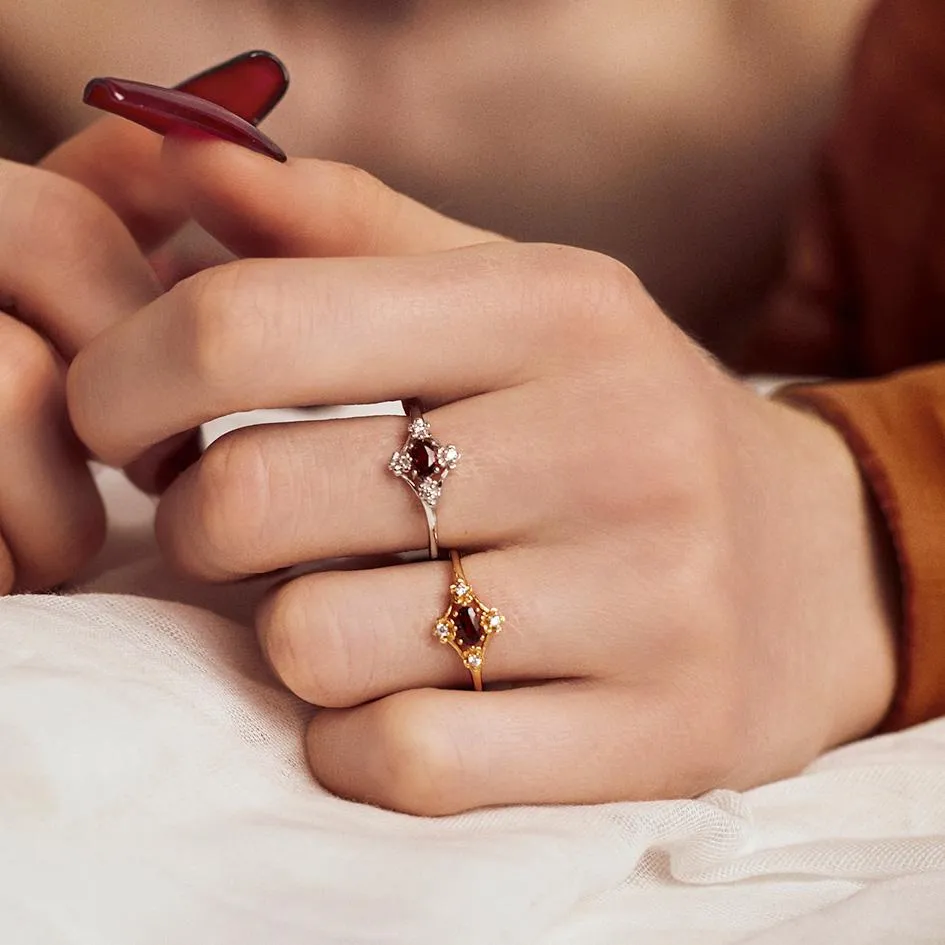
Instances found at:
x=73 y=238
x=693 y=590
x=68 y=268
x=864 y=289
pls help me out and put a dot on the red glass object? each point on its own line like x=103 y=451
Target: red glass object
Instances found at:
x=250 y=85
x=225 y=101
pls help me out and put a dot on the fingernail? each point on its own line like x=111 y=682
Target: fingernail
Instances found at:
x=170 y=110
x=249 y=85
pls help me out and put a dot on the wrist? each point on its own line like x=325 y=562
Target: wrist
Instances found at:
x=858 y=594
x=818 y=570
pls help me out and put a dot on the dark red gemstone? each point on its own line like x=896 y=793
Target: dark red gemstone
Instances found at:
x=468 y=628
x=423 y=456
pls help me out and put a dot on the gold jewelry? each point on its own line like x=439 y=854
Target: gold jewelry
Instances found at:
x=423 y=463
x=468 y=624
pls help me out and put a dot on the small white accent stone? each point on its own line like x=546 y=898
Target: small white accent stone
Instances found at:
x=460 y=590
x=429 y=491
x=448 y=456
x=474 y=661
x=442 y=631
x=399 y=464
x=495 y=622
x=419 y=427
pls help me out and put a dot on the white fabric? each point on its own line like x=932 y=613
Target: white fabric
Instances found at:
x=154 y=791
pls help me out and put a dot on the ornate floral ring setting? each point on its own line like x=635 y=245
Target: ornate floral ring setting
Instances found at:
x=423 y=463
x=468 y=624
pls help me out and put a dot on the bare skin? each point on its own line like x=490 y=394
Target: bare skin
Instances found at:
x=725 y=619
x=648 y=612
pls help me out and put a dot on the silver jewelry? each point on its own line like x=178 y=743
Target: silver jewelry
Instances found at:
x=423 y=464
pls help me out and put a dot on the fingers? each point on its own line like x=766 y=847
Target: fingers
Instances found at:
x=51 y=516
x=268 y=333
x=305 y=207
x=68 y=267
x=343 y=638
x=84 y=269
x=434 y=753
x=121 y=162
x=68 y=264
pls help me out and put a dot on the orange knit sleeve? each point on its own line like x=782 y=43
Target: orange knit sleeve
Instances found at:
x=895 y=426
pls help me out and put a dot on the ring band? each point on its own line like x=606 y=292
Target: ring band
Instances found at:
x=423 y=464
x=468 y=624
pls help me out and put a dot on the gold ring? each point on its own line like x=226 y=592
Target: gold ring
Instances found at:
x=468 y=624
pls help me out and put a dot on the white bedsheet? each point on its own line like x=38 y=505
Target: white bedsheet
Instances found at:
x=153 y=791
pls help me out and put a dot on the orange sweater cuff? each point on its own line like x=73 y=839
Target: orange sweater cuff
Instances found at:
x=895 y=427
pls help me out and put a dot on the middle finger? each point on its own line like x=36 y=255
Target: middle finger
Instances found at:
x=285 y=333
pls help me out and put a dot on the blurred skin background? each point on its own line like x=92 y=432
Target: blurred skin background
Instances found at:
x=672 y=134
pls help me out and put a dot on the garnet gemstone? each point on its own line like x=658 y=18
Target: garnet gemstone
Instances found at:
x=422 y=454
x=468 y=628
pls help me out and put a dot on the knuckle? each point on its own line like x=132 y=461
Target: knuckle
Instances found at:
x=611 y=299
x=29 y=373
x=589 y=302
x=225 y=325
x=613 y=277
x=420 y=763
x=230 y=503
x=304 y=638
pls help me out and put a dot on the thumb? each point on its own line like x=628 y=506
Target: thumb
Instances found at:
x=259 y=208
x=121 y=162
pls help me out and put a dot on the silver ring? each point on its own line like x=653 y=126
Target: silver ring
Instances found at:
x=423 y=463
